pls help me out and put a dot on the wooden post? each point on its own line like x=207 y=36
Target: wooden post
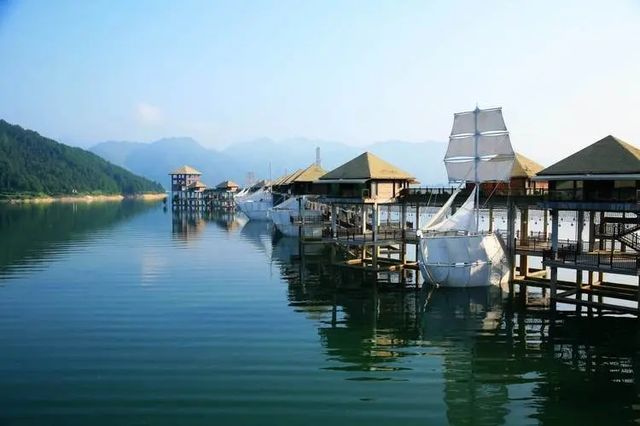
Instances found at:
x=545 y=224
x=524 y=235
x=334 y=220
x=554 y=249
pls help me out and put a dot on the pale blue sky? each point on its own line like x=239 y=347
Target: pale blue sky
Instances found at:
x=565 y=72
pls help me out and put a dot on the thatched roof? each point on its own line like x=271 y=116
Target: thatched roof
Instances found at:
x=227 y=184
x=609 y=155
x=197 y=185
x=310 y=174
x=367 y=166
x=286 y=179
x=185 y=170
x=524 y=167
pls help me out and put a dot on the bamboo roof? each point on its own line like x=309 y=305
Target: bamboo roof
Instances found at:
x=609 y=155
x=185 y=170
x=367 y=166
x=524 y=167
x=227 y=184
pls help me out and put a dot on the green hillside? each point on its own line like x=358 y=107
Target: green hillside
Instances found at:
x=33 y=165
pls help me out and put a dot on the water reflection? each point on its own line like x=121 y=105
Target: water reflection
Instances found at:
x=32 y=233
x=500 y=365
x=189 y=225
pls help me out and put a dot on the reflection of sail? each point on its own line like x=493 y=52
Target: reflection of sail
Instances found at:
x=259 y=234
x=35 y=232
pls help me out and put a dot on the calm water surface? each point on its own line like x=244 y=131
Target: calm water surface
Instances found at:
x=123 y=314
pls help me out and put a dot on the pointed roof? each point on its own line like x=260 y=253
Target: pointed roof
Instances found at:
x=609 y=155
x=227 y=184
x=367 y=166
x=185 y=170
x=286 y=179
x=524 y=167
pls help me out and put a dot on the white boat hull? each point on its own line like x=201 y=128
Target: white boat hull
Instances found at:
x=255 y=210
x=287 y=225
x=472 y=260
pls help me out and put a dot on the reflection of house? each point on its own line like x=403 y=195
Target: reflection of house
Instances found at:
x=366 y=177
x=520 y=182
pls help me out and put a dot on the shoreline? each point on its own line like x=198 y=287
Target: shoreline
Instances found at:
x=85 y=198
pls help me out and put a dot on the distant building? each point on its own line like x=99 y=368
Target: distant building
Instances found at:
x=181 y=179
x=365 y=177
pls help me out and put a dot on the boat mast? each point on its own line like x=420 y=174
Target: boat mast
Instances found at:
x=476 y=159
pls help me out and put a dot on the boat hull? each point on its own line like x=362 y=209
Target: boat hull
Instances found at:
x=287 y=225
x=472 y=260
x=255 y=210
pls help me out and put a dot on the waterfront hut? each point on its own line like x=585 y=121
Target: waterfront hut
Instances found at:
x=368 y=178
x=300 y=182
x=221 y=197
x=356 y=189
x=181 y=178
x=196 y=194
x=601 y=181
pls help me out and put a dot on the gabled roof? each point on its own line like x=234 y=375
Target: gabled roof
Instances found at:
x=227 y=184
x=367 y=166
x=609 y=155
x=524 y=167
x=185 y=170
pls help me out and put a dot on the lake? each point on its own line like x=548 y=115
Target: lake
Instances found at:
x=125 y=314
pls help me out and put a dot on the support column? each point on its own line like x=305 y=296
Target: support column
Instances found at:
x=524 y=235
x=554 y=249
x=490 y=218
x=334 y=220
x=363 y=213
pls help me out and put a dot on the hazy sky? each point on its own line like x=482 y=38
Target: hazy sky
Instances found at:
x=566 y=73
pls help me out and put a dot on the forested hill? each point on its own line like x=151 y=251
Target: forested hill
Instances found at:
x=31 y=164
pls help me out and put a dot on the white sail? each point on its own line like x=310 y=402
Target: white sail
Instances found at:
x=440 y=214
x=488 y=120
x=479 y=147
x=464 y=219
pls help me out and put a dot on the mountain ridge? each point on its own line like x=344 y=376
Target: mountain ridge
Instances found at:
x=32 y=164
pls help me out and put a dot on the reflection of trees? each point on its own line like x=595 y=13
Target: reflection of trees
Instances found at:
x=500 y=365
x=34 y=232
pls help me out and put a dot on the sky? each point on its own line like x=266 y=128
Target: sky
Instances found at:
x=566 y=73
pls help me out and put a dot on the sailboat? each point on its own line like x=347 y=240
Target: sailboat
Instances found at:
x=453 y=252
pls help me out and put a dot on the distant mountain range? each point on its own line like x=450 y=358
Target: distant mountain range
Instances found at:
x=32 y=165
x=156 y=159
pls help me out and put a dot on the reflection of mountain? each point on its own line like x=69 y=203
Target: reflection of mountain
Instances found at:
x=35 y=232
x=498 y=366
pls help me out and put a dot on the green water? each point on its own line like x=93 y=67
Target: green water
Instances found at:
x=121 y=314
